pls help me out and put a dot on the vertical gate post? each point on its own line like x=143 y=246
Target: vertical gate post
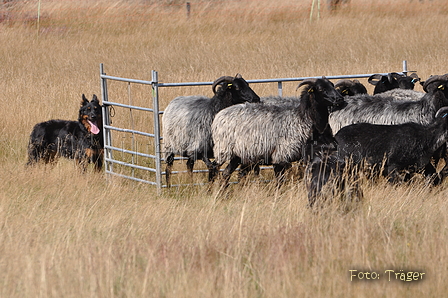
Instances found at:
x=405 y=67
x=155 y=98
x=106 y=121
x=188 y=9
x=280 y=88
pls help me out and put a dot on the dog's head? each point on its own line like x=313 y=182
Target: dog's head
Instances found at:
x=90 y=115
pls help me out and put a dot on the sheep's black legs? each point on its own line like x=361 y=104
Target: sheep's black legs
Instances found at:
x=169 y=165
x=431 y=173
x=190 y=165
x=231 y=167
x=212 y=170
x=246 y=168
x=279 y=171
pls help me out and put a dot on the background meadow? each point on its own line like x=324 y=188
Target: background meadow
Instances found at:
x=67 y=234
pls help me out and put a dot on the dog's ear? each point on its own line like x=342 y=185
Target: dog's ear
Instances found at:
x=84 y=100
x=95 y=98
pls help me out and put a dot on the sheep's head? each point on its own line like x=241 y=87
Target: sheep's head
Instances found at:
x=321 y=95
x=322 y=91
x=235 y=87
x=350 y=87
x=408 y=82
x=437 y=83
x=391 y=81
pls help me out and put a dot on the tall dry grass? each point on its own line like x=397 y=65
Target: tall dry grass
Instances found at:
x=66 y=234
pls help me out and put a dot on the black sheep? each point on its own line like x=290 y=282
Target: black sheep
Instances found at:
x=408 y=146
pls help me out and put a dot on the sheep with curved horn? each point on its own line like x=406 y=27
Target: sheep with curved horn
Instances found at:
x=272 y=133
x=187 y=121
x=378 y=109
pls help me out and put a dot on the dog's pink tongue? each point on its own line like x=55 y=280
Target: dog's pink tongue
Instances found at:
x=93 y=128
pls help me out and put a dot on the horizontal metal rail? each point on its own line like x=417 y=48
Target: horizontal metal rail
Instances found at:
x=277 y=80
x=129 y=151
x=130 y=177
x=129 y=131
x=110 y=103
x=130 y=165
x=103 y=76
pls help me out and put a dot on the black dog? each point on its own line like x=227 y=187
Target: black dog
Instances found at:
x=81 y=140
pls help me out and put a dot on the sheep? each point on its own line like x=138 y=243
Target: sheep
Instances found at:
x=330 y=174
x=393 y=80
x=378 y=109
x=401 y=94
x=402 y=147
x=250 y=134
x=350 y=87
x=187 y=122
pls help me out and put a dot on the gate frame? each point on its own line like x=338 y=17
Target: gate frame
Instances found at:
x=155 y=85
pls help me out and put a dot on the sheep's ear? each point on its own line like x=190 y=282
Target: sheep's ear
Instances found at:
x=84 y=100
x=238 y=76
x=344 y=91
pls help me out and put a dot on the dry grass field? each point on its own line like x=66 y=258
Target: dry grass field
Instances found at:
x=68 y=234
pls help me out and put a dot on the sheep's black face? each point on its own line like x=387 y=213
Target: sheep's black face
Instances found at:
x=407 y=83
x=241 y=92
x=326 y=94
x=350 y=87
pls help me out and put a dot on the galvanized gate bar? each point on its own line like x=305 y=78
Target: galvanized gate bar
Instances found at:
x=130 y=152
x=130 y=131
x=155 y=84
x=155 y=96
x=129 y=106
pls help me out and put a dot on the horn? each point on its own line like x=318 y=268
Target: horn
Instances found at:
x=443 y=110
x=345 y=82
x=433 y=79
x=306 y=82
x=223 y=79
x=394 y=75
x=376 y=76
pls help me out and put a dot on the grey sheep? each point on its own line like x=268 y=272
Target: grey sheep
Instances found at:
x=272 y=134
x=378 y=109
x=187 y=121
x=402 y=94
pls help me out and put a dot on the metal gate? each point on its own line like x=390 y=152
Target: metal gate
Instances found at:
x=148 y=169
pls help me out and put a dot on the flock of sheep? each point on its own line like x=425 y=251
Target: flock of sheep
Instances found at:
x=397 y=130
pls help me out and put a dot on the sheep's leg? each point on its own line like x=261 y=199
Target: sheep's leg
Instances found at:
x=212 y=170
x=231 y=167
x=279 y=171
x=190 y=165
x=246 y=168
x=431 y=173
x=169 y=165
x=394 y=176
